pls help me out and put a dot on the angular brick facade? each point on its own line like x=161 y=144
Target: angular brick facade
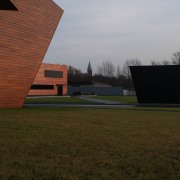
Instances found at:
x=56 y=82
x=25 y=35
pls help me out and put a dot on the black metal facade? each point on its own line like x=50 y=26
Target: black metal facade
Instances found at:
x=157 y=84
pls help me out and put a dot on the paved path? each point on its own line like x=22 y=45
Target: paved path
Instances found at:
x=107 y=102
x=81 y=105
x=100 y=101
x=100 y=104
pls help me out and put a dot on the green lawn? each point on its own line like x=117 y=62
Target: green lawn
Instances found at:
x=54 y=100
x=72 y=143
x=125 y=99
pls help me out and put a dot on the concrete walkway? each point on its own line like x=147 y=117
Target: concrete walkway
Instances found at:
x=100 y=104
x=81 y=105
x=107 y=102
x=100 y=101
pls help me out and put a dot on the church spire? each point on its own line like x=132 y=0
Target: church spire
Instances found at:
x=89 y=69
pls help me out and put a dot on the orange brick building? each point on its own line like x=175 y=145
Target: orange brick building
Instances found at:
x=26 y=30
x=51 y=79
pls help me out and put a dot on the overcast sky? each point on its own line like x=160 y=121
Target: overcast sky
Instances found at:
x=97 y=30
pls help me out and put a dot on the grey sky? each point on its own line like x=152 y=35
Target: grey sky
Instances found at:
x=98 y=30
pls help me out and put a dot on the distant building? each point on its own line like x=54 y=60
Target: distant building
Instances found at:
x=94 y=88
x=103 y=90
x=51 y=79
x=89 y=70
x=86 y=85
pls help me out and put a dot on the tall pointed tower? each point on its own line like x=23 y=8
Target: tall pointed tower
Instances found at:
x=89 y=70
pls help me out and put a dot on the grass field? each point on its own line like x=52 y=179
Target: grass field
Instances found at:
x=93 y=144
x=125 y=99
x=56 y=99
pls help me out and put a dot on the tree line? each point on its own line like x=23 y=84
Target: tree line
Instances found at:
x=108 y=73
x=175 y=60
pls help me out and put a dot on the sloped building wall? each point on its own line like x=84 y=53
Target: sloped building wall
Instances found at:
x=25 y=35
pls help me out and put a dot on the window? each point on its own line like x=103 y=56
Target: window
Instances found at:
x=42 y=87
x=53 y=74
x=7 y=5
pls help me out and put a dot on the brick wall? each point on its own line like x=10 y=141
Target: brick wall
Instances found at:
x=24 y=38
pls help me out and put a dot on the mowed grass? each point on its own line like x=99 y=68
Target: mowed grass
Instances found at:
x=124 y=99
x=72 y=143
x=56 y=100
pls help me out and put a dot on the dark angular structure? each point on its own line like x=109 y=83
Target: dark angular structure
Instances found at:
x=157 y=84
x=26 y=30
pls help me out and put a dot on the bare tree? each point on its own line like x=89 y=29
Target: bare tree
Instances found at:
x=118 y=71
x=126 y=71
x=130 y=62
x=99 y=70
x=155 y=63
x=166 y=62
x=106 y=69
x=70 y=71
x=176 y=58
x=74 y=74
